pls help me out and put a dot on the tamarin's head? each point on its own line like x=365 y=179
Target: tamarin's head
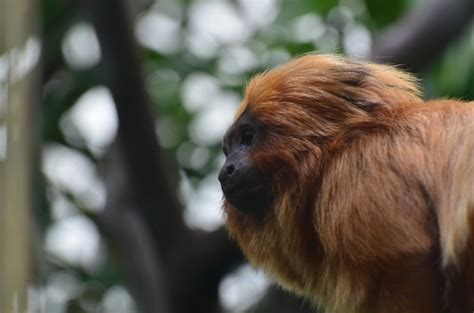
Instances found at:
x=291 y=114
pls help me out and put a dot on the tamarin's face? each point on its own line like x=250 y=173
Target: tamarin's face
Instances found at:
x=245 y=187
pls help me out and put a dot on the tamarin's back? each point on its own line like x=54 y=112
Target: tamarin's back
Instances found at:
x=452 y=187
x=406 y=207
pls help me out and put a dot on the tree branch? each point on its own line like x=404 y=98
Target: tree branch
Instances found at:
x=134 y=246
x=198 y=269
x=277 y=300
x=421 y=36
x=150 y=185
x=129 y=236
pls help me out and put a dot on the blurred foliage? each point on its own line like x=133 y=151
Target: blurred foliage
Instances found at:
x=384 y=13
x=453 y=75
x=220 y=69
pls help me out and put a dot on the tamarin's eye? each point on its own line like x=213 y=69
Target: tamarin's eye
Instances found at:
x=248 y=136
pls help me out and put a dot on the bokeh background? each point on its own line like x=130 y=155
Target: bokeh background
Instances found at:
x=130 y=102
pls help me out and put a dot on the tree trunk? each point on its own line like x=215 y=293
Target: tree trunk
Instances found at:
x=18 y=57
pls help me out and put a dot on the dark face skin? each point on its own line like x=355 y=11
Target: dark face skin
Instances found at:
x=244 y=186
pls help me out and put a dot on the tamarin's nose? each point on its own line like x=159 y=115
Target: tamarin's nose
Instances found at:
x=226 y=172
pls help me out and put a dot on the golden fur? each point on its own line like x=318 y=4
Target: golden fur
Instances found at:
x=375 y=189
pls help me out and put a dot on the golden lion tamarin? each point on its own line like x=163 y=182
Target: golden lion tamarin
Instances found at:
x=350 y=190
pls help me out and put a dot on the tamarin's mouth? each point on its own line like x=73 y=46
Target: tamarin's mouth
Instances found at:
x=251 y=200
x=233 y=192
